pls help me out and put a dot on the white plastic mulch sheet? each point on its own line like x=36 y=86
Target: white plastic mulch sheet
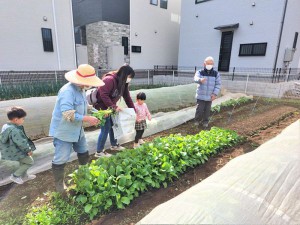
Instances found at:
x=261 y=187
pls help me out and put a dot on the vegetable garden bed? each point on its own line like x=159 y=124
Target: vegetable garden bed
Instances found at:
x=263 y=116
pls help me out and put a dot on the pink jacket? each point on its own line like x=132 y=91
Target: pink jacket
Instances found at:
x=142 y=112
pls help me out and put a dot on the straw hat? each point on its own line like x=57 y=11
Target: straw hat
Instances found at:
x=84 y=75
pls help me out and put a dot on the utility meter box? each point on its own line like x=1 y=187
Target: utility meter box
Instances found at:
x=288 y=55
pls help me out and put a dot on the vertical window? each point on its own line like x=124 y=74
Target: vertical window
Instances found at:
x=255 y=49
x=83 y=35
x=47 y=39
x=154 y=2
x=125 y=44
x=295 y=40
x=164 y=4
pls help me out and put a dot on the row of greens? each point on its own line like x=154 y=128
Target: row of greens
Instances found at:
x=230 y=103
x=29 y=89
x=50 y=88
x=111 y=183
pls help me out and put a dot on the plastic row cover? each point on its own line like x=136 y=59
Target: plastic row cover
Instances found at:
x=39 y=109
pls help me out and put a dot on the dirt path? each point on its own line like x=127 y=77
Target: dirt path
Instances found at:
x=259 y=125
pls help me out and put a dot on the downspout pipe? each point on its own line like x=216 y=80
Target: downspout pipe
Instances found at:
x=56 y=35
x=73 y=36
x=280 y=35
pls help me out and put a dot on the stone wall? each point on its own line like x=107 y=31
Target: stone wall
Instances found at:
x=100 y=36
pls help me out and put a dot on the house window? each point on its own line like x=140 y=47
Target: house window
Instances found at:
x=164 y=4
x=295 y=40
x=154 y=2
x=255 y=49
x=47 y=40
x=200 y=1
x=137 y=49
x=83 y=35
x=125 y=45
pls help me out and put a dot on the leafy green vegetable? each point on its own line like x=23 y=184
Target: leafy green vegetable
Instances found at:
x=102 y=114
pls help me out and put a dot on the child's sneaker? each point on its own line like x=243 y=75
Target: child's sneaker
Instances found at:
x=102 y=154
x=141 y=141
x=136 y=145
x=117 y=148
x=17 y=180
x=29 y=177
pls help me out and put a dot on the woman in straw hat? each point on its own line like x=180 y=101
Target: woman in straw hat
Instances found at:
x=116 y=86
x=70 y=111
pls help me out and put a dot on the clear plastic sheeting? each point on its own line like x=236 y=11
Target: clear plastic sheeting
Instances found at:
x=160 y=121
x=261 y=187
x=39 y=109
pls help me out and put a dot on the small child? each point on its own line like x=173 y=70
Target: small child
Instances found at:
x=142 y=113
x=16 y=146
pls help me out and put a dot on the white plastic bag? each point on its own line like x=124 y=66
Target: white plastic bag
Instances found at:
x=123 y=122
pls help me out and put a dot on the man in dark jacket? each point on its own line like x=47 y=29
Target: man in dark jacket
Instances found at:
x=209 y=85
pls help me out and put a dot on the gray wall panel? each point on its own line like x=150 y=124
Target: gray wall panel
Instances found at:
x=90 y=11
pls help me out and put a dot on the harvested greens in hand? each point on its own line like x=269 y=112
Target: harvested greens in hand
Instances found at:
x=102 y=114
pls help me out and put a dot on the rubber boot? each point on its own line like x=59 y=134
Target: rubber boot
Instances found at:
x=59 y=175
x=83 y=158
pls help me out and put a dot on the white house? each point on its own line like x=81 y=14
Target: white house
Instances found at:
x=240 y=33
x=142 y=33
x=154 y=32
x=37 y=35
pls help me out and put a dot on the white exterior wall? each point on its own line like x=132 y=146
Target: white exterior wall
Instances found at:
x=82 y=54
x=291 y=25
x=159 y=48
x=21 y=44
x=199 y=39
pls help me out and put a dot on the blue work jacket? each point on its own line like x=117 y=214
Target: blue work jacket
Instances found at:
x=70 y=97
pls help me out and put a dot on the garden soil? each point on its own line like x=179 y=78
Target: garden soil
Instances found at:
x=258 y=122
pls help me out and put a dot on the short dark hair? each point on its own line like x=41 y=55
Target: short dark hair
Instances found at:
x=16 y=112
x=141 y=96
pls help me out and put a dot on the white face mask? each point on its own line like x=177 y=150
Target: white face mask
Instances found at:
x=128 y=80
x=86 y=88
x=209 y=67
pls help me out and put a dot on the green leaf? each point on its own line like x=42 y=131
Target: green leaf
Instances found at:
x=87 y=208
x=119 y=170
x=148 y=180
x=125 y=200
x=82 y=199
x=112 y=171
x=108 y=204
x=165 y=184
x=122 y=181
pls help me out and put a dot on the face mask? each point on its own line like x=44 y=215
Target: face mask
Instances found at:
x=86 y=88
x=208 y=67
x=128 y=80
